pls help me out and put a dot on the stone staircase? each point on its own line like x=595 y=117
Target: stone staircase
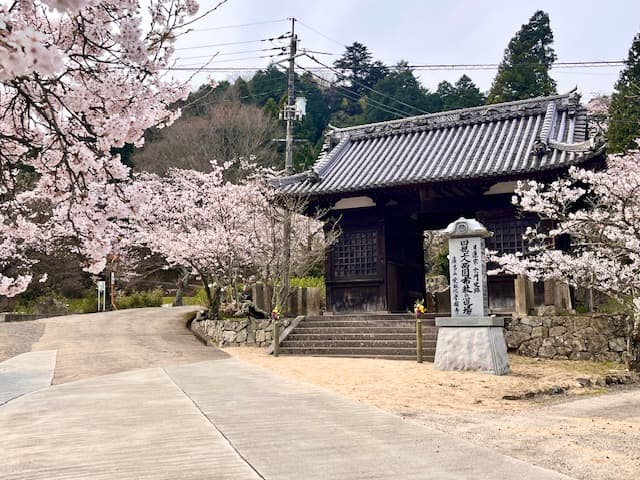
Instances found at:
x=389 y=336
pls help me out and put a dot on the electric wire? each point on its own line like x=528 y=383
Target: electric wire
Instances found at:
x=243 y=42
x=354 y=96
x=238 y=52
x=340 y=75
x=240 y=25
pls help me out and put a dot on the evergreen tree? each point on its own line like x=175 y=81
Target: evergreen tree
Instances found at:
x=624 y=127
x=466 y=94
x=397 y=95
x=357 y=69
x=524 y=71
x=266 y=84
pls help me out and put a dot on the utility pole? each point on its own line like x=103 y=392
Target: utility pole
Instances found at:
x=289 y=111
x=289 y=115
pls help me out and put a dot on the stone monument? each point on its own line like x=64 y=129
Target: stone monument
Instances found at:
x=470 y=339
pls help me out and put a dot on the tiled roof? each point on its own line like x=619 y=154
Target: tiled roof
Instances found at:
x=472 y=143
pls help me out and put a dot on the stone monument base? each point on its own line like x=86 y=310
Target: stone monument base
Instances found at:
x=475 y=347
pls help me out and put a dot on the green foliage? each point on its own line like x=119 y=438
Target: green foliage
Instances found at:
x=139 y=300
x=624 y=126
x=399 y=91
x=307 y=282
x=524 y=71
x=357 y=69
x=463 y=94
x=441 y=262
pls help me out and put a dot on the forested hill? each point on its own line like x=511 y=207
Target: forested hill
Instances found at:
x=229 y=121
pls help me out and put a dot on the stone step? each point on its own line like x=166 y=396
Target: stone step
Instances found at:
x=363 y=343
x=328 y=322
x=361 y=316
x=304 y=328
x=425 y=357
x=361 y=335
x=356 y=351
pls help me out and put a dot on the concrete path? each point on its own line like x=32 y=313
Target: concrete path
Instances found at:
x=195 y=413
x=104 y=343
x=225 y=419
x=26 y=373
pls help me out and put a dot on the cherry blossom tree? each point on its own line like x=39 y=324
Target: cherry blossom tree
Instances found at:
x=221 y=231
x=78 y=79
x=599 y=211
x=198 y=221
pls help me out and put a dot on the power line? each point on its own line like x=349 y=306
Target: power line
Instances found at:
x=240 y=25
x=355 y=96
x=236 y=59
x=238 y=52
x=419 y=110
x=280 y=37
x=453 y=67
x=321 y=34
x=476 y=66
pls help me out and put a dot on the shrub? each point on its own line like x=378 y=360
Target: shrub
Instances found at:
x=140 y=300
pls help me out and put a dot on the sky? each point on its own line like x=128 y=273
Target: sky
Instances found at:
x=419 y=31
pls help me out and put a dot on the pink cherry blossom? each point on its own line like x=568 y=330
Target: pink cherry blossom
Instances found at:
x=78 y=78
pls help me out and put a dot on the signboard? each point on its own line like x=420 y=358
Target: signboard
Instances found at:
x=468 y=277
x=102 y=286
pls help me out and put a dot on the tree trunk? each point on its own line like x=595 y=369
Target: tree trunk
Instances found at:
x=183 y=282
x=632 y=356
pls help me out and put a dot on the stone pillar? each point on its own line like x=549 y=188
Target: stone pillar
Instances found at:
x=302 y=301
x=557 y=296
x=549 y=293
x=313 y=301
x=292 y=302
x=524 y=301
x=470 y=339
x=268 y=296
x=257 y=292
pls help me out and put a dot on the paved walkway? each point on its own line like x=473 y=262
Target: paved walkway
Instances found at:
x=198 y=414
x=26 y=373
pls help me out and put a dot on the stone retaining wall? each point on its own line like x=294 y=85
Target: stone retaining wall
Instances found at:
x=238 y=332
x=588 y=337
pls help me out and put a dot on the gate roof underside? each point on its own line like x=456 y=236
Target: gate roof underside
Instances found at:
x=492 y=141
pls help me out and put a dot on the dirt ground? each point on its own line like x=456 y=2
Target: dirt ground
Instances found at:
x=585 y=432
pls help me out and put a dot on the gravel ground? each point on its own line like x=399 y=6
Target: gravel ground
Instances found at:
x=587 y=433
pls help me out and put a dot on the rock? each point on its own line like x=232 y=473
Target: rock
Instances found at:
x=515 y=339
x=511 y=397
x=241 y=336
x=584 y=382
x=546 y=310
x=229 y=336
x=530 y=348
x=547 y=351
x=539 y=332
x=532 y=321
x=618 y=344
x=581 y=356
x=596 y=343
x=260 y=336
x=251 y=337
x=557 y=331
